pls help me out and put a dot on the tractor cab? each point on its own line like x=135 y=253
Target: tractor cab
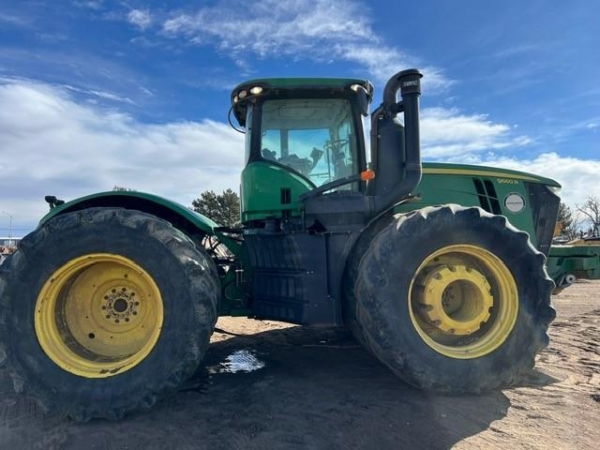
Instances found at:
x=306 y=155
x=301 y=135
x=306 y=191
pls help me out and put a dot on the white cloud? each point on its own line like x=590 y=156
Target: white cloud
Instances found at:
x=95 y=5
x=382 y=62
x=50 y=144
x=140 y=18
x=447 y=133
x=320 y=30
x=14 y=19
x=273 y=26
x=101 y=94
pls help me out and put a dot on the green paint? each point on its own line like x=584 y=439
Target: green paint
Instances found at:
x=583 y=261
x=455 y=183
x=118 y=198
x=190 y=222
x=484 y=171
x=261 y=196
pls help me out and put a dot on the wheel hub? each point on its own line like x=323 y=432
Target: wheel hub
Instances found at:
x=120 y=305
x=455 y=299
x=464 y=301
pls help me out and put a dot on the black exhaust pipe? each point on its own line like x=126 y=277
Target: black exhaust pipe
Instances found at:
x=396 y=149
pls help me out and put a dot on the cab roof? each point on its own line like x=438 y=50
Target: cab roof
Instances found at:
x=242 y=92
x=306 y=83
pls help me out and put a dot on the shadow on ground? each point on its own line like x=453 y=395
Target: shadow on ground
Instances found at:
x=316 y=389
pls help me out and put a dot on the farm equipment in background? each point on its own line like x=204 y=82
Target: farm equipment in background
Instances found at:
x=439 y=271
x=8 y=245
x=576 y=259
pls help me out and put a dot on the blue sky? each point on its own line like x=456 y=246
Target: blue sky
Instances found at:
x=135 y=93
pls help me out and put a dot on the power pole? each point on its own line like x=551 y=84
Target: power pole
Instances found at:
x=10 y=217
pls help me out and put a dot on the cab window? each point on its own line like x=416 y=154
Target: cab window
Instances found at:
x=314 y=137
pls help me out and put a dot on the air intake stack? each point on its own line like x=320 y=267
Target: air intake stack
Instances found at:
x=395 y=148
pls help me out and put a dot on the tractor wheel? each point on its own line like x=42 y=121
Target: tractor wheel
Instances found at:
x=451 y=299
x=103 y=311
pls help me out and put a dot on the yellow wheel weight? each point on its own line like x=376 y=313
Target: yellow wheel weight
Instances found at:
x=463 y=301
x=99 y=315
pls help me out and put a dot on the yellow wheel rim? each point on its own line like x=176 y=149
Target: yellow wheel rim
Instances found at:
x=99 y=315
x=463 y=301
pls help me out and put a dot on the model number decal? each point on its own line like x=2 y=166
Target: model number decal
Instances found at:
x=507 y=181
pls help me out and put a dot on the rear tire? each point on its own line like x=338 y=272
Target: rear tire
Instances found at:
x=103 y=311
x=451 y=299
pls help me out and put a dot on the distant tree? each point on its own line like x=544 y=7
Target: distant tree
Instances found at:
x=567 y=224
x=591 y=210
x=120 y=188
x=223 y=209
x=564 y=219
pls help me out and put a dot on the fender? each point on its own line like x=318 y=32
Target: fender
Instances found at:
x=182 y=218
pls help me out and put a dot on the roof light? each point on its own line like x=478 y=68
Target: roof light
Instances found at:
x=235 y=99
x=256 y=90
x=242 y=95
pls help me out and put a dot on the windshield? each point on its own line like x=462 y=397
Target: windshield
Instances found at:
x=314 y=137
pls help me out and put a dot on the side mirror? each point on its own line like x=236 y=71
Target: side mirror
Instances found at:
x=363 y=99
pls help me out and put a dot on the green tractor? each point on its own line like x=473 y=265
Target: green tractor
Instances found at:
x=111 y=302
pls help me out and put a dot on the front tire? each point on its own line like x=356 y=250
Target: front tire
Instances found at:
x=452 y=299
x=105 y=310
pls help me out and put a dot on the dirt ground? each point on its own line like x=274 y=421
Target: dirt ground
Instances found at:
x=267 y=385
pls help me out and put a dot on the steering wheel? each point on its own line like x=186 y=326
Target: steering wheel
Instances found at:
x=335 y=144
x=302 y=165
